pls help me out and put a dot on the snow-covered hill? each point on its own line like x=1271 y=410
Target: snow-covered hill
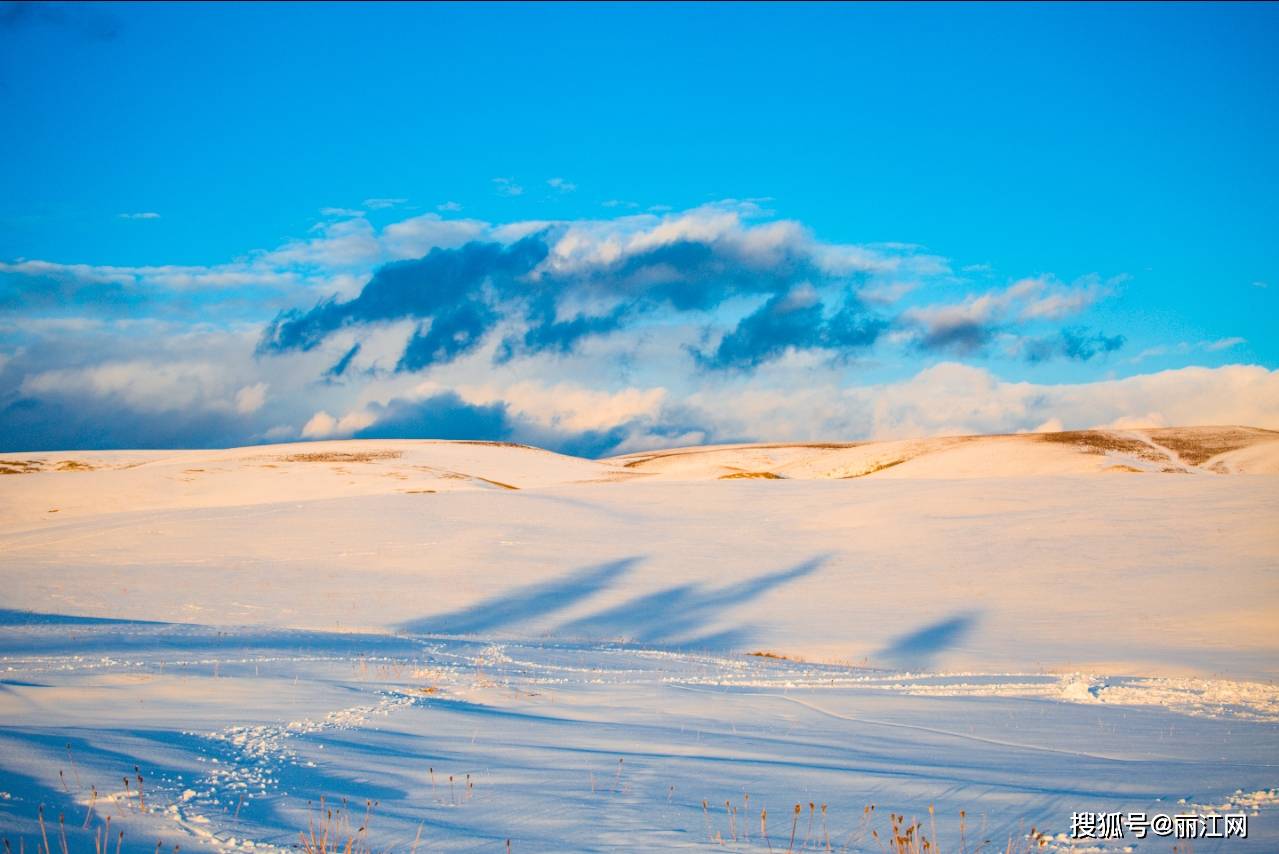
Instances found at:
x=1222 y=450
x=1016 y=626
x=80 y=483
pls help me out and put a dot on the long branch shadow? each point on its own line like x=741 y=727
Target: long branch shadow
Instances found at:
x=524 y=603
x=916 y=651
x=677 y=616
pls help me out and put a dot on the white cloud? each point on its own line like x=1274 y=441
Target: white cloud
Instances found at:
x=250 y=398
x=586 y=244
x=887 y=293
x=561 y=185
x=165 y=276
x=565 y=405
x=639 y=381
x=383 y=204
x=1182 y=348
x=958 y=399
x=1058 y=305
x=968 y=325
x=82 y=272
x=507 y=187
x=346 y=248
x=347 y=243
x=414 y=237
x=1134 y=422
x=140 y=215
x=325 y=426
x=143 y=385
x=449 y=207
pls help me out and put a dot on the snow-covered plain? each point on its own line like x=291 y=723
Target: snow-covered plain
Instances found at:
x=1018 y=627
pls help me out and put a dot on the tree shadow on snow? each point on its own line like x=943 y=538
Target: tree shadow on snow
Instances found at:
x=524 y=603
x=917 y=650
x=679 y=616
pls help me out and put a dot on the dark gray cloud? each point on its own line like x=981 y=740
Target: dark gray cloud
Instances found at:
x=785 y=322
x=452 y=332
x=1074 y=343
x=441 y=416
x=61 y=423
x=460 y=295
x=457 y=287
x=65 y=293
x=545 y=333
x=340 y=366
x=448 y=416
x=962 y=337
x=692 y=275
x=1077 y=344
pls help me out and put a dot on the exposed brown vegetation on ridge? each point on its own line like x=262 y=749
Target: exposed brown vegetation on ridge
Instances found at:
x=21 y=466
x=33 y=466
x=875 y=468
x=1196 y=445
x=823 y=446
x=1099 y=442
x=494 y=482
x=342 y=457
x=754 y=475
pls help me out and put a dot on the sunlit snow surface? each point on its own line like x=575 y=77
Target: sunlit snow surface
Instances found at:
x=568 y=664
x=587 y=747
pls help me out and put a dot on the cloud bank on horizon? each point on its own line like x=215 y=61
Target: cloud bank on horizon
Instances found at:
x=590 y=336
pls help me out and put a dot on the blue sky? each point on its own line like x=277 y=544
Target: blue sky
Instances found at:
x=738 y=222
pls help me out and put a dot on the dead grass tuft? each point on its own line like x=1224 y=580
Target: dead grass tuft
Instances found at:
x=764 y=653
x=330 y=831
x=751 y=475
x=821 y=831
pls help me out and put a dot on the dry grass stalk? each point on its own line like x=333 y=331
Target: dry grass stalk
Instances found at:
x=88 y=816
x=43 y=834
x=142 y=804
